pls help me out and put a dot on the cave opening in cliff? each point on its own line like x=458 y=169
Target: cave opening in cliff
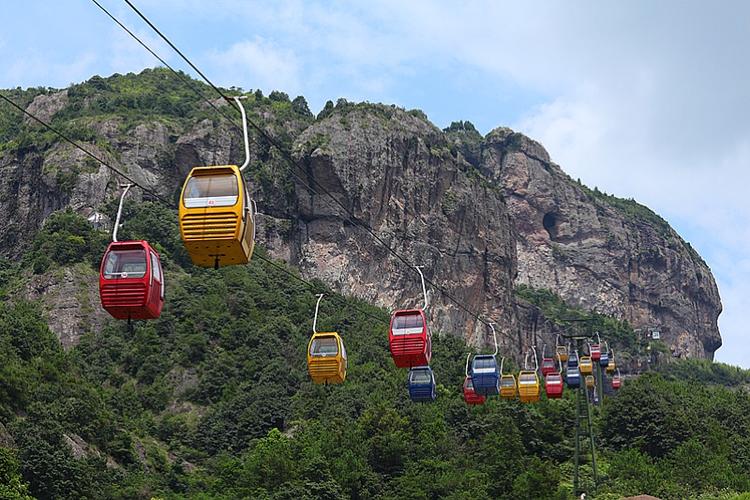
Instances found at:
x=550 y=223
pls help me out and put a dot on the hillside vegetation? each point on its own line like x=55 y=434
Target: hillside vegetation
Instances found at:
x=212 y=400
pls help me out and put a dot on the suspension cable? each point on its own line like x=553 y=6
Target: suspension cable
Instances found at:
x=286 y=155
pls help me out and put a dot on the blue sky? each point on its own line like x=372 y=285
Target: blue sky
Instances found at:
x=642 y=99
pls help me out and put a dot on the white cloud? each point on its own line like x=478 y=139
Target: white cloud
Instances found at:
x=257 y=64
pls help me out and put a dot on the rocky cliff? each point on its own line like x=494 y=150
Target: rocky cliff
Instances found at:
x=481 y=214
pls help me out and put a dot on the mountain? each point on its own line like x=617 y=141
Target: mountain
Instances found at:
x=483 y=215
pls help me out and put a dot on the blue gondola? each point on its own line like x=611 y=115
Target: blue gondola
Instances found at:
x=573 y=377
x=604 y=360
x=422 y=384
x=573 y=359
x=485 y=375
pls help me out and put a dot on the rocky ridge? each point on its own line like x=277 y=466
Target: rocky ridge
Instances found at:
x=481 y=214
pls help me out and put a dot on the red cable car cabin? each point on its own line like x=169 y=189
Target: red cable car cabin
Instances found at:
x=553 y=385
x=470 y=395
x=548 y=366
x=409 y=339
x=131 y=281
x=616 y=382
x=595 y=351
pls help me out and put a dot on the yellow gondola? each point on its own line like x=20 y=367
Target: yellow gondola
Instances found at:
x=586 y=365
x=528 y=386
x=590 y=382
x=326 y=358
x=217 y=216
x=508 y=389
x=561 y=351
x=326 y=355
x=611 y=366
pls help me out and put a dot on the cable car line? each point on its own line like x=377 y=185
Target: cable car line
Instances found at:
x=191 y=85
x=160 y=198
x=288 y=157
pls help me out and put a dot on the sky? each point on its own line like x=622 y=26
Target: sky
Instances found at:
x=645 y=100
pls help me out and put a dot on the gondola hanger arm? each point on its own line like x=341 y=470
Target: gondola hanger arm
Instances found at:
x=237 y=100
x=315 y=319
x=119 y=211
x=424 y=288
x=494 y=337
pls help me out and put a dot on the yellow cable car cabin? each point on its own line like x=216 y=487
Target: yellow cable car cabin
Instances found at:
x=528 y=386
x=590 y=382
x=508 y=388
x=562 y=353
x=326 y=358
x=586 y=365
x=216 y=217
x=611 y=366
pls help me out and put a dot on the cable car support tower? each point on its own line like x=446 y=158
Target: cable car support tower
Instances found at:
x=584 y=428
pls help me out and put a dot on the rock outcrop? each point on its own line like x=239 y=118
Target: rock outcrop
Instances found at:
x=599 y=252
x=481 y=214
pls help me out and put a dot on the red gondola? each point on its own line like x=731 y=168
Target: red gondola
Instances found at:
x=470 y=396
x=595 y=350
x=616 y=381
x=131 y=280
x=409 y=339
x=553 y=385
x=548 y=366
x=408 y=336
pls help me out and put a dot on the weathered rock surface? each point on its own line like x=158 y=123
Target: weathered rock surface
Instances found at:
x=71 y=300
x=394 y=173
x=481 y=214
x=612 y=256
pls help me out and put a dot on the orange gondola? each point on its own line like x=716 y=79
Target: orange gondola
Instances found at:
x=326 y=355
x=216 y=213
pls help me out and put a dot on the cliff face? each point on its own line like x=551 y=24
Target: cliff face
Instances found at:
x=395 y=173
x=481 y=214
x=603 y=253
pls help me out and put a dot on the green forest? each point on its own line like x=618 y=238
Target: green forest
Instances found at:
x=212 y=400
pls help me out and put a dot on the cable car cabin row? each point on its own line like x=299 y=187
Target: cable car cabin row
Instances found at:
x=216 y=217
x=548 y=366
x=326 y=358
x=553 y=385
x=131 y=281
x=485 y=374
x=470 y=395
x=409 y=339
x=422 y=384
